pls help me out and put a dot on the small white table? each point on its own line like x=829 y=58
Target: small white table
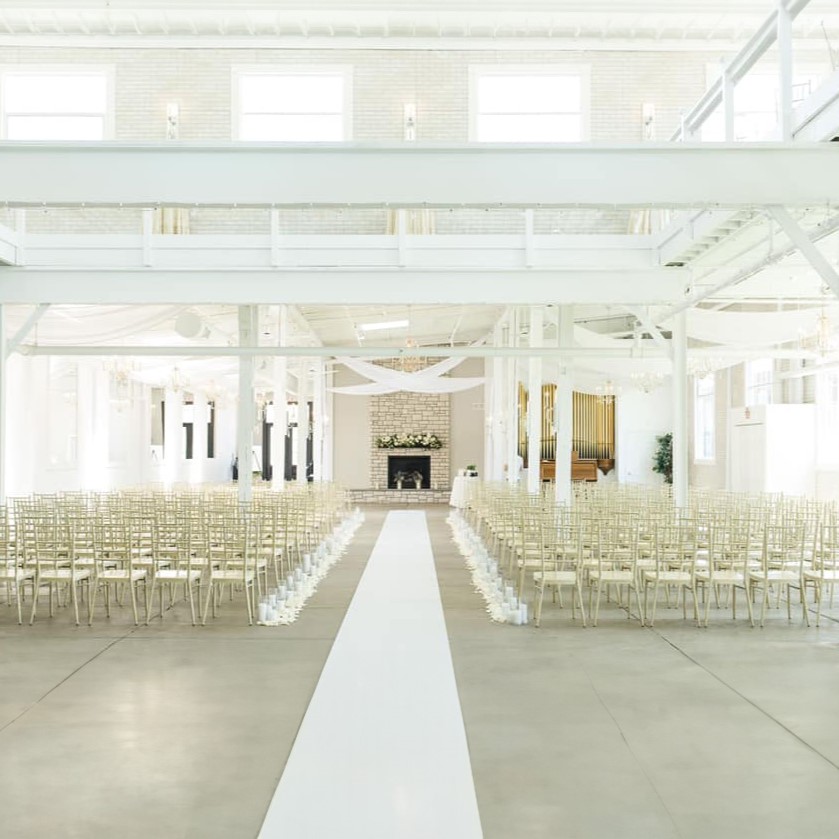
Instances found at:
x=462 y=490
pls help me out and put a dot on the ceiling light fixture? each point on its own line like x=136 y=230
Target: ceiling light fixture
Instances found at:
x=389 y=324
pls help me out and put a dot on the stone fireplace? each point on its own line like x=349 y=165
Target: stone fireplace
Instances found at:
x=407 y=465
x=410 y=413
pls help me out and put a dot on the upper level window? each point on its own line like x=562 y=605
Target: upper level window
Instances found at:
x=759 y=381
x=311 y=104
x=56 y=103
x=528 y=104
x=703 y=417
x=757 y=105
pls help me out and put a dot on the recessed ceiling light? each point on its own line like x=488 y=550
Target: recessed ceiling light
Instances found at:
x=385 y=324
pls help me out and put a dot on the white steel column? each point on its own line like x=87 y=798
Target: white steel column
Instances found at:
x=564 y=408
x=534 y=402
x=248 y=316
x=785 y=70
x=728 y=104
x=511 y=386
x=302 y=418
x=680 y=411
x=498 y=427
x=317 y=421
x=280 y=426
x=3 y=359
x=200 y=414
x=328 y=426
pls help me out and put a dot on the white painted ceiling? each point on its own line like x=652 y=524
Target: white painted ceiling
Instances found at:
x=688 y=21
x=686 y=24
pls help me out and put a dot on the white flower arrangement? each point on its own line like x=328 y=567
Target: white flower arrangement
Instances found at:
x=409 y=441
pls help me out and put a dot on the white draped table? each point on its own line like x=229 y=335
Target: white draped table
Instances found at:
x=462 y=487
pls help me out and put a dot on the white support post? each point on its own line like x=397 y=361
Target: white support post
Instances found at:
x=528 y=238
x=534 y=402
x=564 y=409
x=148 y=223
x=20 y=229
x=680 y=411
x=785 y=70
x=3 y=361
x=328 y=428
x=302 y=419
x=498 y=427
x=248 y=316
x=280 y=428
x=275 y=237
x=402 y=237
x=317 y=422
x=511 y=404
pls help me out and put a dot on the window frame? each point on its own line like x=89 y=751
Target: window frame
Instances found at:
x=238 y=71
x=581 y=71
x=106 y=70
x=750 y=387
x=698 y=426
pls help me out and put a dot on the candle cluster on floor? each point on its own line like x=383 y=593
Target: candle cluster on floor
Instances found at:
x=282 y=605
x=502 y=602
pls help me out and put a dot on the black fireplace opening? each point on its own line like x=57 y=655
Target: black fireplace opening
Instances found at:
x=405 y=467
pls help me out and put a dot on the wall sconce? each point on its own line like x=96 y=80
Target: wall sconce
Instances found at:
x=648 y=121
x=410 y=121
x=173 y=113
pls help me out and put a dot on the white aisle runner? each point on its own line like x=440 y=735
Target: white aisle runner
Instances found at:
x=381 y=752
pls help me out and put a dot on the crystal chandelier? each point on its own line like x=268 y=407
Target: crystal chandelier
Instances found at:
x=822 y=341
x=647 y=382
x=607 y=391
x=411 y=363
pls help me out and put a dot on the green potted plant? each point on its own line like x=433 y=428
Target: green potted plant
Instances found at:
x=472 y=470
x=663 y=457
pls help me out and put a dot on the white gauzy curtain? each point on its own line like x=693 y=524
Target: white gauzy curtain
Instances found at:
x=170 y=220
x=417 y=222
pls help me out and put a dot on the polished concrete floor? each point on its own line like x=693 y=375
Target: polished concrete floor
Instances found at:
x=174 y=731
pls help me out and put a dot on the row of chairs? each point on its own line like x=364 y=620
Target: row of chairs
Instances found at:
x=636 y=547
x=79 y=549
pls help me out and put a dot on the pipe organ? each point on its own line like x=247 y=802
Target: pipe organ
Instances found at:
x=593 y=433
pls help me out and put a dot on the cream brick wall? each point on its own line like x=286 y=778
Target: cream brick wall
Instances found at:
x=437 y=81
x=406 y=413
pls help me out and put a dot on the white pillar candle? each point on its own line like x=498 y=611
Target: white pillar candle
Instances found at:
x=263 y=610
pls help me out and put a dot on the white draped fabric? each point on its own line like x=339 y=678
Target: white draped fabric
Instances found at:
x=751 y=328
x=386 y=380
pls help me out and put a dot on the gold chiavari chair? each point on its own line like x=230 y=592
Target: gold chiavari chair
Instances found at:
x=13 y=575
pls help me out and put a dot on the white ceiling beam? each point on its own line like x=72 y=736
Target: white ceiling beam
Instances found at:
x=465 y=351
x=802 y=241
x=331 y=286
x=362 y=40
x=470 y=351
x=409 y=175
x=645 y=321
x=249 y=251
x=709 y=292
